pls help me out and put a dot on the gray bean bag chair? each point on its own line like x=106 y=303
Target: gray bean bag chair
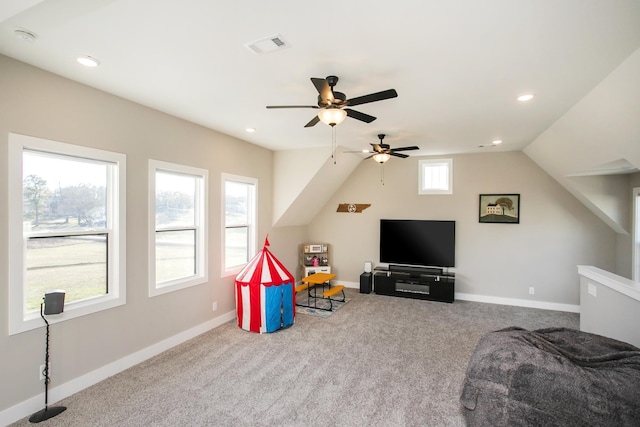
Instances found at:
x=552 y=377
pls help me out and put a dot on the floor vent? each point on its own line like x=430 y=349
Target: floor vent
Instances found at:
x=267 y=44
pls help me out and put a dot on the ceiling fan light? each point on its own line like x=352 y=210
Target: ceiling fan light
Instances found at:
x=381 y=157
x=332 y=116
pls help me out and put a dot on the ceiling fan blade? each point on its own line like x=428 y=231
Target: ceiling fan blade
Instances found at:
x=312 y=122
x=413 y=147
x=359 y=116
x=377 y=148
x=323 y=89
x=292 y=106
x=373 y=97
x=404 y=156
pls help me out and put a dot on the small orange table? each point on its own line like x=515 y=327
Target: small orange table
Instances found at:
x=312 y=281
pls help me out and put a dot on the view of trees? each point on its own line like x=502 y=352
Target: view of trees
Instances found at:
x=36 y=194
x=78 y=205
x=174 y=207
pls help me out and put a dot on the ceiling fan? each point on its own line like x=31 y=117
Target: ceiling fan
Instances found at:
x=382 y=152
x=333 y=104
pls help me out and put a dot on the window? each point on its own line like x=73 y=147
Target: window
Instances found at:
x=66 y=229
x=436 y=176
x=636 y=235
x=178 y=222
x=239 y=234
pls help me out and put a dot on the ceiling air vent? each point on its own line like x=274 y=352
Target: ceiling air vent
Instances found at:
x=267 y=44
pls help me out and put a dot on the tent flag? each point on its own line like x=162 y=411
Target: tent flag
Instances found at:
x=265 y=294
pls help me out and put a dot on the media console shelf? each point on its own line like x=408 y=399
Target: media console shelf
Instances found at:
x=415 y=282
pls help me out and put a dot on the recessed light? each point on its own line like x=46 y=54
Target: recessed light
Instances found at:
x=526 y=97
x=494 y=143
x=88 y=61
x=250 y=130
x=25 y=36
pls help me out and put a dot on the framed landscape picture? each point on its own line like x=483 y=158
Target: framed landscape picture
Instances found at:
x=500 y=208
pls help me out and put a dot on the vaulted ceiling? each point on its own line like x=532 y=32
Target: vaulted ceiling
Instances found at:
x=457 y=66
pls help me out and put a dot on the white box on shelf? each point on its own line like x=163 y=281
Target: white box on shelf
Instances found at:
x=308 y=271
x=315 y=249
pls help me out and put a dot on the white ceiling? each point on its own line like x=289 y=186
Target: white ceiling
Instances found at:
x=457 y=65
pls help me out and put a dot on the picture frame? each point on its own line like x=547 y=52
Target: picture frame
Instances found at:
x=499 y=209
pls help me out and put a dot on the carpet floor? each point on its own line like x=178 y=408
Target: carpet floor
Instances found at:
x=378 y=361
x=320 y=307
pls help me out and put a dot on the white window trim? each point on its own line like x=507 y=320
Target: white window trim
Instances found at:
x=422 y=164
x=635 y=252
x=19 y=321
x=253 y=215
x=202 y=269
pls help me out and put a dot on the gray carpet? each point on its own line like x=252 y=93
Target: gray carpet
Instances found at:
x=378 y=361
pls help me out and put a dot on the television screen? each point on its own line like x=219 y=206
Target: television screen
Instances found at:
x=418 y=242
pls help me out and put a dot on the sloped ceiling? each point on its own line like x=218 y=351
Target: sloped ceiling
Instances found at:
x=457 y=65
x=595 y=147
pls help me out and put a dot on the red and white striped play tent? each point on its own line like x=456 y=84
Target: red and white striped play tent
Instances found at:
x=265 y=294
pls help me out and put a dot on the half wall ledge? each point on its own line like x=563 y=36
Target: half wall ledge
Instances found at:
x=609 y=305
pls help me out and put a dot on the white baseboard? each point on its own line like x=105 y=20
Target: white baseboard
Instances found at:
x=34 y=404
x=519 y=302
x=543 y=305
x=355 y=285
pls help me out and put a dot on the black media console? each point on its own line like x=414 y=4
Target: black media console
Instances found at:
x=415 y=282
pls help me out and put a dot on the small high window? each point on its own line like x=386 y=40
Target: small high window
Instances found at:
x=435 y=176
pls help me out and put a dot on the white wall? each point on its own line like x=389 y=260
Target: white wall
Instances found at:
x=37 y=103
x=609 y=305
x=305 y=179
x=556 y=232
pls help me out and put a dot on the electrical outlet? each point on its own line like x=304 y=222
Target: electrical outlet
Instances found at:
x=41 y=371
x=214 y=306
x=532 y=290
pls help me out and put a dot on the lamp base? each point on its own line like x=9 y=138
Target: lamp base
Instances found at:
x=46 y=413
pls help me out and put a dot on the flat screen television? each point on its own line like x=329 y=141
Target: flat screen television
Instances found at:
x=418 y=242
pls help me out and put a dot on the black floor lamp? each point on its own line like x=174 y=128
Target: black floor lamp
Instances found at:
x=52 y=303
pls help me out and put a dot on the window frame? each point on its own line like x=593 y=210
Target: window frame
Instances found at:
x=635 y=252
x=201 y=275
x=252 y=226
x=21 y=321
x=423 y=164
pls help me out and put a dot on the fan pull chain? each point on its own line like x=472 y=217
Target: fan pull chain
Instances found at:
x=382 y=173
x=333 y=143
